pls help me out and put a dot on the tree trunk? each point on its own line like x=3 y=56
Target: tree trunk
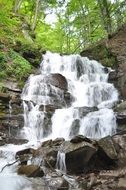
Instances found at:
x=35 y=15
x=105 y=15
x=17 y=5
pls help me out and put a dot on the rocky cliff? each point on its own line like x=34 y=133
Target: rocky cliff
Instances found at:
x=112 y=52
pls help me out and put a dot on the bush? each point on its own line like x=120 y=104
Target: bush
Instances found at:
x=13 y=65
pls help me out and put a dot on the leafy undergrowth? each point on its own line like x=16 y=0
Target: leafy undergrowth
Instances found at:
x=13 y=65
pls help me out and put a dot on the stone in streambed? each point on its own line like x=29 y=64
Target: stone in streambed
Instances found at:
x=57 y=182
x=24 y=155
x=30 y=171
x=77 y=155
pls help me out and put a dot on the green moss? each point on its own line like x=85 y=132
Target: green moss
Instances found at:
x=14 y=65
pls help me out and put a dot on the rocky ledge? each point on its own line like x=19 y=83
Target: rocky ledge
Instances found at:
x=80 y=163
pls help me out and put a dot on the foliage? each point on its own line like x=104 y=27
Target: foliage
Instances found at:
x=13 y=65
x=80 y=23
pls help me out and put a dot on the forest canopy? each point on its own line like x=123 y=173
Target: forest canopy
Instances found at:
x=65 y=26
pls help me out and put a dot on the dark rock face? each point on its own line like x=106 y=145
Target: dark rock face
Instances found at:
x=112 y=76
x=75 y=128
x=79 y=66
x=80 y=138
x=4 y=97
x=120 y=110
x=11 y=110
x=11 y=124
x=57 y=80
x=83 y=111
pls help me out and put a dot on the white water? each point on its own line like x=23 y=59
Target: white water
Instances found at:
x=9 y=179
x=61 y=165
x=87 y=82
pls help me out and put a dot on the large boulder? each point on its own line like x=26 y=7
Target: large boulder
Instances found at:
x=24 y=155
x=107 y=146
x=57 y=80
x=47 y=153
x=48 y=90
x=77 y=156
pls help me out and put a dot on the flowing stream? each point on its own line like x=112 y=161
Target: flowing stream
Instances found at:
x=87 y=83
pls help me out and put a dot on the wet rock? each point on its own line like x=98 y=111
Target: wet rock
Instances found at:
x=75 y=128
x=121 y=184
x=11 y=86
x=49 y=108
x=57 y=80
x=122 y=79
x=112 y=76
x=30 y=171
x=47 y=123
x=47 y=156
x=80 y=138
x=4 y=97
x=12 y=140
x=83 y=111
x=120 y=140
x=58 y=141
x=120 y=107
x=46 y=143
x=106 y=145
x=24 y=155
x=121 y=118
x=68 y=98
x=57 y=182
x=77 y=155
x=79 y=67
x=38 y=184
x=11 y=124
x=120 y=110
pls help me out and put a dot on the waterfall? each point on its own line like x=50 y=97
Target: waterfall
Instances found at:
x=87 y=83
x=61 y=165
x=81 y=105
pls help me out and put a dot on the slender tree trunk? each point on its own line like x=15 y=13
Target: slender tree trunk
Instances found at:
x=17 y=5
x=118 y=14
x=35 y=15
x=105 y=15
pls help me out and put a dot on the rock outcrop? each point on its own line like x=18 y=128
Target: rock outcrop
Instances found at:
x=112 y=52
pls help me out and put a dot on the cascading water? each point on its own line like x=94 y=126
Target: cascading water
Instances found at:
x=87 y=82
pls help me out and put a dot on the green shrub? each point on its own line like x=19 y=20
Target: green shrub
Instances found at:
x=14 y=65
